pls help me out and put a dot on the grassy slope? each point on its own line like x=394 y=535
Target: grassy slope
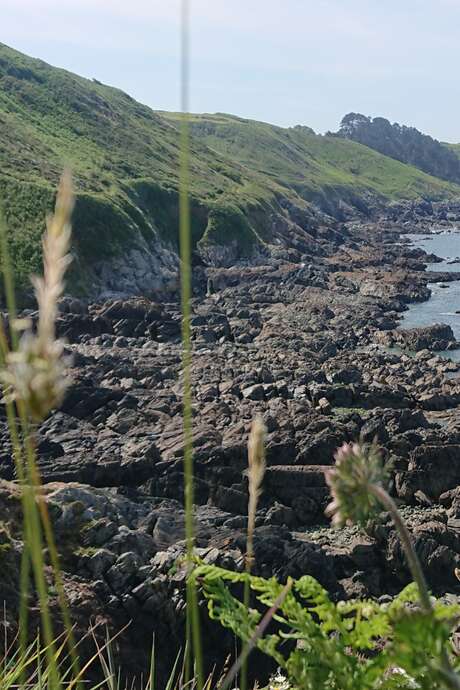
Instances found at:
x=124 y=158
x=125 y=161
x=314 y=166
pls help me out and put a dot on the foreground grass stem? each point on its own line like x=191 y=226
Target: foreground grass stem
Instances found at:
x=193 y=625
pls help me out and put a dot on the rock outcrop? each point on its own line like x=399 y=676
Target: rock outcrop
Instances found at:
x=300 y=344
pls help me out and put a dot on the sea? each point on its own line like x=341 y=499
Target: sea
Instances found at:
x=444 y=303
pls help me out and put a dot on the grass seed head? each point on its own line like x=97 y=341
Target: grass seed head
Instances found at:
x=256 y=457
x=256 y=472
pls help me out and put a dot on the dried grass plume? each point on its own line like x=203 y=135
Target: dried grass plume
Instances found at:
x=256 y=472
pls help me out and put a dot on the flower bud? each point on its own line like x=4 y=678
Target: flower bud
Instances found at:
x=357 y=467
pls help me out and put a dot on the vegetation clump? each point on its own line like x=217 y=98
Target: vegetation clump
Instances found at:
x=405 y=144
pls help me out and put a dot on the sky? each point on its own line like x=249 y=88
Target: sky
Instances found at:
x=282 y=61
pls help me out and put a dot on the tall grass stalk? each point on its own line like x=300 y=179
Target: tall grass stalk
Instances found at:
x=193 y=624
x=32 y=534
x=32 y=374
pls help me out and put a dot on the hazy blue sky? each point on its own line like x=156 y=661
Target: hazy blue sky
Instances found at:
x=283 y=61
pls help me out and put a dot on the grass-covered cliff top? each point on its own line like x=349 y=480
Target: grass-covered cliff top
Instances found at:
x=125 y=160
x=314 y=166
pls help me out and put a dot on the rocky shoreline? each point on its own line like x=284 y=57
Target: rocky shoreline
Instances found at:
x=303 y=340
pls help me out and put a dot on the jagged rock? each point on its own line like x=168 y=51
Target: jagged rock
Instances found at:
x=436 y=337
x=432 y=469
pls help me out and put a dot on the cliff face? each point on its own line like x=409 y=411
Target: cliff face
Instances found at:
x=405 y=144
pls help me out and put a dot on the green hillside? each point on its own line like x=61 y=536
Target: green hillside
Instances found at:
x=125 y=160
x=318 y=168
